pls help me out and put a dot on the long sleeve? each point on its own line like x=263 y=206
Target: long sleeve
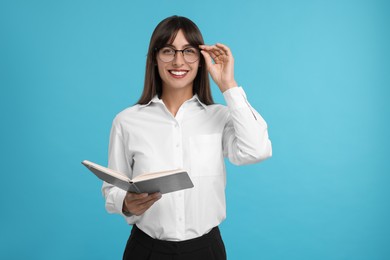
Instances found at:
x=245 y=136
x=118 y=160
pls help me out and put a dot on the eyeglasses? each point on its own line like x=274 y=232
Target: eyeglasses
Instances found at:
x=167 y=54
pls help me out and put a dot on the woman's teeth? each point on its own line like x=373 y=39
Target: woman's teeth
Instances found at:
x=178 y=73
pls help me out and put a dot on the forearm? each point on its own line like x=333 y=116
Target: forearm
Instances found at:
x=246 y=133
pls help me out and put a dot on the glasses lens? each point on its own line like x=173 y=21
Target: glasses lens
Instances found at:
x=166 y=54
x=191 y=54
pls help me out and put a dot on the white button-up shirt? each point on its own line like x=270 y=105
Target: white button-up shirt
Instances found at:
x=148 y=138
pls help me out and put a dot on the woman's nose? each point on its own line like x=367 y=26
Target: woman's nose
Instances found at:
x=178 y=59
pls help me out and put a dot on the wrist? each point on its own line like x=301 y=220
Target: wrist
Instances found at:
x=228 y=85
x=124 y=208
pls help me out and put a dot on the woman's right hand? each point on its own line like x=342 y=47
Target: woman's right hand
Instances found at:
x=137 y=204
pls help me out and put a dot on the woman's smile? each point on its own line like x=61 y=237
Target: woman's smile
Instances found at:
x=178 y=74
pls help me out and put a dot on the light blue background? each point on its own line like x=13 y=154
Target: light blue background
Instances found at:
x=318 y=71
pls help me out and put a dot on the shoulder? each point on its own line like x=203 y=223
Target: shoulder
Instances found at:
x=217 y=111
x=217 y=108
x=126 y=115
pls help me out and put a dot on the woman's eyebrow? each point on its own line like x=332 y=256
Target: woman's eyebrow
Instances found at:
x=184 y=46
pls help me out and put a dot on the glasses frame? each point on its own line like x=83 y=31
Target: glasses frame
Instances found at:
x=182 y=52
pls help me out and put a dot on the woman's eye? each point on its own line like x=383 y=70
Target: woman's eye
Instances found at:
x=190 y=51
x=167 y=51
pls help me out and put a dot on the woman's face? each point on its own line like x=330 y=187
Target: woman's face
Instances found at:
x=178 y=73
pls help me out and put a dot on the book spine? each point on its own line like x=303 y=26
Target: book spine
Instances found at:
x=135 y=188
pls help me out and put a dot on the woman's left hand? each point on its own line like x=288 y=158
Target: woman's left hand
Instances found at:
x=222 y=70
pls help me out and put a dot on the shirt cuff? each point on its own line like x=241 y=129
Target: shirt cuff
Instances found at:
x=235 y=98
x=119 y=198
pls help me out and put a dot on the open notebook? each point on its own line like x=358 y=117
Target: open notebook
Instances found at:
x=164 y=182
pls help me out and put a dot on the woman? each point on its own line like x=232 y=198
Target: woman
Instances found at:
x=177 y=125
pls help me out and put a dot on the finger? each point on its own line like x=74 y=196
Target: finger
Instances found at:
x=214 y=51
x=136 y=199
x=207 y=58
x=219 y=54
x=136 y=196
x=155 y=196
x=137 y=207
x=148 y=204
x=217 y=50
x=214 y=55
x=205 y=46
x=141 y=208
x=226 y=50
x=223 y=53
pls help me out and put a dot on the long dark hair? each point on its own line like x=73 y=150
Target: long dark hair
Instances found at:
x=164 y=33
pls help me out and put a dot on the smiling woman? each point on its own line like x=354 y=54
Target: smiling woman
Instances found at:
x=177 y=125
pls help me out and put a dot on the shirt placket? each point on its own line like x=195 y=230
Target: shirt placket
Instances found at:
x=178 y=157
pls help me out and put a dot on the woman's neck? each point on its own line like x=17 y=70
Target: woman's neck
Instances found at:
x=174 y=98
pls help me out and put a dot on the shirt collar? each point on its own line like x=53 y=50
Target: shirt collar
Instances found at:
x=200 y=102
x=155 y=99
